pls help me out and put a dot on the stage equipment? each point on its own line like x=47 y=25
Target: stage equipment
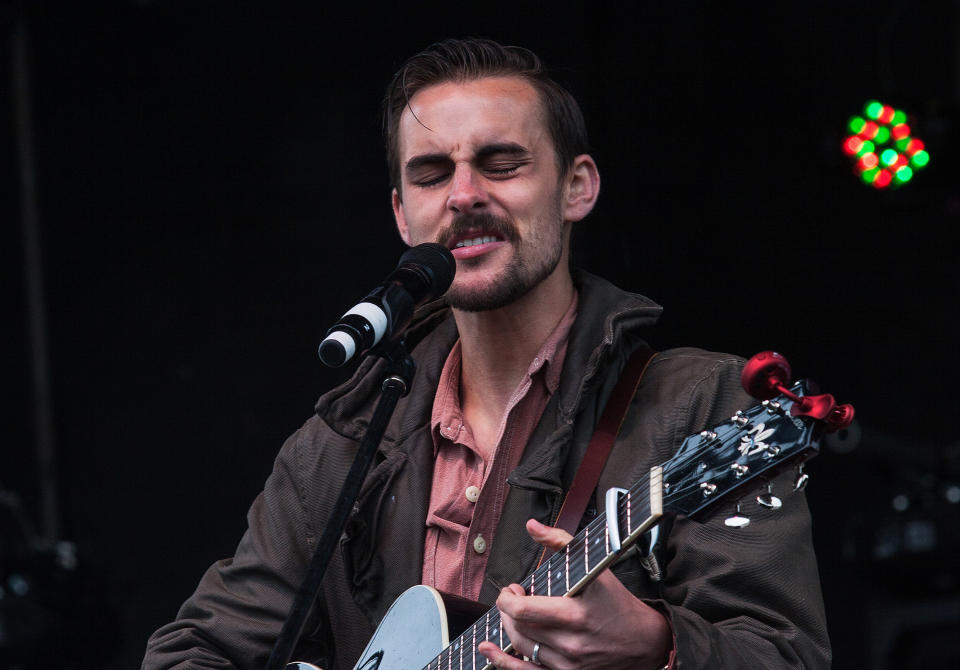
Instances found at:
x=884 y=153
x=424 y=273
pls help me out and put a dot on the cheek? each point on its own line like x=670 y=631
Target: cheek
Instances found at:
x=423 y=233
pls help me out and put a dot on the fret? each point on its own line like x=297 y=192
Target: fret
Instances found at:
x=473 y=649
x=533 y=581
x=629 y=530
x=566 y=567
x=586 y=550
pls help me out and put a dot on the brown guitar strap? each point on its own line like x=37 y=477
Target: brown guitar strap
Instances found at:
x=588 y=474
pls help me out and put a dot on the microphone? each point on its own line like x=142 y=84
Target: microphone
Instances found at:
x=424 y=273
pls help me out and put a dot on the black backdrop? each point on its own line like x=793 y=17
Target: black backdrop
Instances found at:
x=212 y=194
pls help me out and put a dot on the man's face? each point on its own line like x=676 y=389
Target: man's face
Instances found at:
x=479 y=175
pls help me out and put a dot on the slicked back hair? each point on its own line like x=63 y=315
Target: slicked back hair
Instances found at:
x=462 y=60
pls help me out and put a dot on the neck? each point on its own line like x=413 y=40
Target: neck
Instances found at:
x=498 y=345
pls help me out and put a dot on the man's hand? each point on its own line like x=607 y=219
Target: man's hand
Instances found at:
x=605 y=626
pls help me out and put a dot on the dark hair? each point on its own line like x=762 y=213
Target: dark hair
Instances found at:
x=473 y=58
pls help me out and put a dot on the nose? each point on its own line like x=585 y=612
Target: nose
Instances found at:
x=466 y=192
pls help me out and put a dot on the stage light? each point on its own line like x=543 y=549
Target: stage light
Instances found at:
x=883 y=152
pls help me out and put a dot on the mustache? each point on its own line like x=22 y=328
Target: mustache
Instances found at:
x=485 y=223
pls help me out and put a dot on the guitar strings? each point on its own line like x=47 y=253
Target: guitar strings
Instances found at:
x=577 y=558
x=586 y=550
x=574 y=559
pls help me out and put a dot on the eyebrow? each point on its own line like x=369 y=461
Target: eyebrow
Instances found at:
x=487 y=150
x=427 y=159
x=509 y=148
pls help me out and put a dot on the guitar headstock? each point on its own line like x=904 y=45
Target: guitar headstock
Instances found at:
x=746 y=451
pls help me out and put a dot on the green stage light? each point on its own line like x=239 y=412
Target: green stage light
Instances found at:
x=884 y=153
x=856 y=124
x=903 y=175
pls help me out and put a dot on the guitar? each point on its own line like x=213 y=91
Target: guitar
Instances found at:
x=718 y=464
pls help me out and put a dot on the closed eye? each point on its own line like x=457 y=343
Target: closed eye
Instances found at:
x=503 y=169
x=430 y=180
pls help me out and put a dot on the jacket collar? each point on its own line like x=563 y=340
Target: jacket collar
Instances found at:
x=608 y=321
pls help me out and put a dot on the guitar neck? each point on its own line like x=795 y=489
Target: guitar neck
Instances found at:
x=568 y=571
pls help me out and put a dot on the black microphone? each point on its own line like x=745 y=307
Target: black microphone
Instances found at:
x=424 y=272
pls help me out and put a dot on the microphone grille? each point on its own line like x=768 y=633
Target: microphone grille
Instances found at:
x=436 y=261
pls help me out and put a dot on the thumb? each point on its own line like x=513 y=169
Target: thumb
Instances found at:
x=548 y=536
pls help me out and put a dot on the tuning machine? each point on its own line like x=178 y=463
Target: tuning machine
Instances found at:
x=768 y=373
x=769 y=500
x=737 y=520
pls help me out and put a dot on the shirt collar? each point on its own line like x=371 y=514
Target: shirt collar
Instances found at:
x=447 y=418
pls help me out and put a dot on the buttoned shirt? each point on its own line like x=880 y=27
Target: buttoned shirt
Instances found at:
x=470 y=486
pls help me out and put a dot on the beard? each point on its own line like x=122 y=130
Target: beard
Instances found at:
x=534 y=259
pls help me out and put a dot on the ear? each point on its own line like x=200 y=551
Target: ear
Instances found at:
x=400 y=217
x=581 y=188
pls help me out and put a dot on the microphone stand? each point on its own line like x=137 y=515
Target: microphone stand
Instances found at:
x=400 y=372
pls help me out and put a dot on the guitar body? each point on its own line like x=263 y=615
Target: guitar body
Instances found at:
x=413 y=632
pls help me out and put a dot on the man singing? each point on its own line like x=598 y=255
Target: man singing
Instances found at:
x=488 y=157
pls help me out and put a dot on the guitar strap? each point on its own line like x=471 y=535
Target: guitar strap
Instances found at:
x=588 y=474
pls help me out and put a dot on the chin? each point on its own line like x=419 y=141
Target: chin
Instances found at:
x=492 y=296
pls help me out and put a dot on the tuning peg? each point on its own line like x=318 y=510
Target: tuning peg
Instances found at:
x=765 y=374
x=772 y=407
x=737 y=520
x=840 y=417
x=768 y=373
x=769 y=500
x=802 y=479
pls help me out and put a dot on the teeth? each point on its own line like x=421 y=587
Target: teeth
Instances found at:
x=475 y=240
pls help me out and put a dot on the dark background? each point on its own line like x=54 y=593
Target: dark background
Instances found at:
x=212 y=195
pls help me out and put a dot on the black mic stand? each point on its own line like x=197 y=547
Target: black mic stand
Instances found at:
x=400 y=370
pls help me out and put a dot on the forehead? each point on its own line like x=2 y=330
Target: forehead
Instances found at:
x=458 y=116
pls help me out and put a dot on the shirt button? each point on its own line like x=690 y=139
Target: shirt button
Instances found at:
x=472 y=493
x=479 y=544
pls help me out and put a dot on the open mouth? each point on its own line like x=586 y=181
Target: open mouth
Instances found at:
x=473 y=244
x=473 y=241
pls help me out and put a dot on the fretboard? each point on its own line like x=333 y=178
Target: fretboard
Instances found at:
x=567 y=572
